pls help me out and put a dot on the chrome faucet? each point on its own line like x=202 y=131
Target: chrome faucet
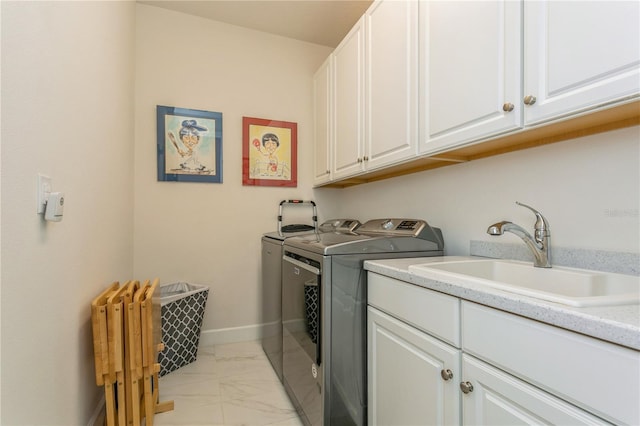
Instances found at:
x=539 y=245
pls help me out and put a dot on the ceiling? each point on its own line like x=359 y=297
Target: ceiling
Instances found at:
x=323 y=22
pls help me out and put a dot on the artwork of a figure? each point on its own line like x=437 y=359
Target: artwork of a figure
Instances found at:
x=189 y=146
x=271 y=151
x=270 y=144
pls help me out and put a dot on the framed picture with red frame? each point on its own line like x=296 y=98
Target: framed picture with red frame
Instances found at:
x=269 y=152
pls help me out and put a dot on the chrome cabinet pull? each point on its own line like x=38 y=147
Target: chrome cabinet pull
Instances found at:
x=466 y=387
x=530 y=100
x=446 y=374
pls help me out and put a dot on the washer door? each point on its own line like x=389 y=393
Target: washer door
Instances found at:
x=302 y=366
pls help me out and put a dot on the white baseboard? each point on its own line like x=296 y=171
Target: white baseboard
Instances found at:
x=231 y=335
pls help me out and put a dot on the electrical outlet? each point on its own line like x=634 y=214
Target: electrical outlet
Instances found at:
x=44 y=188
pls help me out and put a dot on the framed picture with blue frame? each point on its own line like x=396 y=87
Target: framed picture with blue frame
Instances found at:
x=189 y=145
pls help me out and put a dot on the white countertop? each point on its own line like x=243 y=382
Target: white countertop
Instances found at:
x=616 y=324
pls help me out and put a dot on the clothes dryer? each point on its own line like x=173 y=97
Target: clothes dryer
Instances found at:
x=324 y=305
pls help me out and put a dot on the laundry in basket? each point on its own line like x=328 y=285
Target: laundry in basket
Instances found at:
x=182 y=311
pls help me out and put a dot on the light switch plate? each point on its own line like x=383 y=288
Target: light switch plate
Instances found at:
x=44 y=188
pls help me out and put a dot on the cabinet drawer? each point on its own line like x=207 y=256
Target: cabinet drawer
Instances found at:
x=597 y=376
x=427 y=310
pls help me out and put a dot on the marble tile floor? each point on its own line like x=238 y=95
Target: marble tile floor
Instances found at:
x=229 y=384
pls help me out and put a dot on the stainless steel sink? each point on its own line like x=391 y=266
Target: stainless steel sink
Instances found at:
x=568 y=286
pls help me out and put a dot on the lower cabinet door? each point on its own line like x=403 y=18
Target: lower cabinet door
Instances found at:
x=413 y=378
x=493 y=397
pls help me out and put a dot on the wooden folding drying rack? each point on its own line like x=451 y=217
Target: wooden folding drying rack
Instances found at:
x=126 y=342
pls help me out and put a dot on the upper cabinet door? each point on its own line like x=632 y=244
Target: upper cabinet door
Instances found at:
x=471 y=71
x=348 y=111
x=391 y=82
x=322 y=124
x=579 y=55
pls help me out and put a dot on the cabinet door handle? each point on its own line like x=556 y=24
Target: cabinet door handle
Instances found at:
x=366 y=158
x=508 y=107
x=446 y=374
x=466 y=387
x=529 y=100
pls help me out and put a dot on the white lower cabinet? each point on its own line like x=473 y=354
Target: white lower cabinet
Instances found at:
x=599 y=377
x=413 y=377
x=434 y=359
x=494 y=397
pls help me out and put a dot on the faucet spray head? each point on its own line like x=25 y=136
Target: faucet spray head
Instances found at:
x=539 y=245
x=497 y=228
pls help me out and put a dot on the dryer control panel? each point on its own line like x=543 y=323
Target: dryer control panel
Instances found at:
x=402 y=227
x=408 y=227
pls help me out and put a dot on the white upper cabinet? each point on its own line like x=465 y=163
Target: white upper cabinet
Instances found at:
x=579 y=55
x=375 y=90
x=321 y=124
x=391 y=66
x=348 y=104
x=471 y=71
x=418 y=78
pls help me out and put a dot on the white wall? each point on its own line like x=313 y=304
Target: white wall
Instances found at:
x=209 y=233
x=67 y=111
x=587 y=188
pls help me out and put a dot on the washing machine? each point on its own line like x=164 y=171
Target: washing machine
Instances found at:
x=271 y=287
